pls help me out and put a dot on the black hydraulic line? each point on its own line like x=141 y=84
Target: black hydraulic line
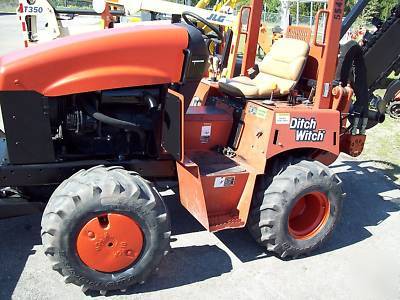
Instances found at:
x=366 y=80
x=353 y=59
x=227 y=48
x=352 y=16
x=151 y=101
x=128 y=126
x=108 y=120
x=376 y=116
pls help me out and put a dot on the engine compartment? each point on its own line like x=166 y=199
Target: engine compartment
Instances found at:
x=116 y=124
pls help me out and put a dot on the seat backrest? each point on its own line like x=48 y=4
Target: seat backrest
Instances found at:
x=286 y=59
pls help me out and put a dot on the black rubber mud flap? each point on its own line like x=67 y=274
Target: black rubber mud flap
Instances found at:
x=172 y=133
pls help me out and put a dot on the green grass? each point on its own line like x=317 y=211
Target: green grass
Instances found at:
x=382 y=148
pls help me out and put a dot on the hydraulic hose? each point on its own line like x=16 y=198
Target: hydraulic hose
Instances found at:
x=352 y=58
x=151 y=101
x=376 y=116
x=129 y=126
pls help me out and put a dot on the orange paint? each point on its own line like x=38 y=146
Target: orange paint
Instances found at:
x=397 y=96
x=352 y=144
x=308 y=215
x=101 y=60
x=267 y=131
x=253 y=30
x=109 y=242
x=329 y=52
x=215 y=189
x=209 y=127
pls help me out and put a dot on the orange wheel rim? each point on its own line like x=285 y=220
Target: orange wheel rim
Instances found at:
x=110 y=242
x=308 y=215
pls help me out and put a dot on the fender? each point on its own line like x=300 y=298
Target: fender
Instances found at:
x=268 y=131
x=106 y=59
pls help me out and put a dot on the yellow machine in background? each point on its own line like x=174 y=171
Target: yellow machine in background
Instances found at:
x=219 y=5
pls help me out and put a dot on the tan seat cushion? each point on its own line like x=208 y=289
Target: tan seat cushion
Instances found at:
x=286 y=59
x=280 y=70
x=256 y=87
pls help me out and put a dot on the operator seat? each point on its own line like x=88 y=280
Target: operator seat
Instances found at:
x=280 y=71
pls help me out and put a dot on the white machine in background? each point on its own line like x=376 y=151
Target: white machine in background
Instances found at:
x=34 y=14
x=41 y=22
x=132 y=7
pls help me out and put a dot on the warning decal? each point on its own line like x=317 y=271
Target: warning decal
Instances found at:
x=282 y=118
x=224 y=181
x=205 y=133
x=261 y=113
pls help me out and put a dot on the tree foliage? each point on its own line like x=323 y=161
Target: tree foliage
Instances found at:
x=378 y=8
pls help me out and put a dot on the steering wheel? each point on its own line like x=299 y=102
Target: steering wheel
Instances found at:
x=217 y=38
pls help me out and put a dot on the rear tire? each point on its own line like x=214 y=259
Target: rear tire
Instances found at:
x=99 y=193
x=394 y=109
x=294 y=212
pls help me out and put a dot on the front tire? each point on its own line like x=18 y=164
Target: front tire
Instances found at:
x=296 y=211
x=105 y=229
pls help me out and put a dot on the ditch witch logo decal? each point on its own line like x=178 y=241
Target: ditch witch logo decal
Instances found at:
x=306 y=130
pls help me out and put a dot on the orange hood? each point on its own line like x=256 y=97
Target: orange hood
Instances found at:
x=105 y=59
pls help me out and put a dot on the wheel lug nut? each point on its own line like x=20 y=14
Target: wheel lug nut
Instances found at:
x=91 y=234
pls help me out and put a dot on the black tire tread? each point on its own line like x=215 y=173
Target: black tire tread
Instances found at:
x=82 y=187
x=270 y=204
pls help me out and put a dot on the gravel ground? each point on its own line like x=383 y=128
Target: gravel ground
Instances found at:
x=360 y=261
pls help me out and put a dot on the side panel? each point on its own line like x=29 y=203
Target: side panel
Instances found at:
x=270 y=131
x=112 y=58
x=15 y=207
x=207 y=127
x=55 y=173
x=304 y=128
x=27 y=126
x=172 y=132
x=191 y=192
